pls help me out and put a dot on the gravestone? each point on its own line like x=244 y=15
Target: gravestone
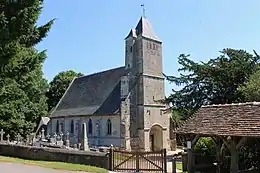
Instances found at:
x=8 y=138
x=2 y=135
x=85 y=146
x=43 y=135
x=67 y=139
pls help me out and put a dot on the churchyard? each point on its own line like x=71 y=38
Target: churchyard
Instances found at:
x=55 y=151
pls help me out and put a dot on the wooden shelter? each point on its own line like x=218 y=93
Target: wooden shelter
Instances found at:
x=227 y=124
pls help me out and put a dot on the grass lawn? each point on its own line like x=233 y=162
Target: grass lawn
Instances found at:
x=55 y=165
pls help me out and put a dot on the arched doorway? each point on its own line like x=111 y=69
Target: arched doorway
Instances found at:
x=156 y=138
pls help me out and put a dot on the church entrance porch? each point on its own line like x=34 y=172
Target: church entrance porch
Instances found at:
x=156 y=138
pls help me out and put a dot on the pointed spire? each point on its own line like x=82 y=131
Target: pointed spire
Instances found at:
x=145 y=29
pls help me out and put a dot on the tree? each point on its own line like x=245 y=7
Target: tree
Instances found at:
x=22 y=86
x=231 y=77
x=59 y=85
x=251 y=90
x=213 y=82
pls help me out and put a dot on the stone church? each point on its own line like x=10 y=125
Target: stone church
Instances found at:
x=120 y=106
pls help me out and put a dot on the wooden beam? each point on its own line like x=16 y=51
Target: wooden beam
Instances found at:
x=225 y=142
x=195 y=140
x=241 y=142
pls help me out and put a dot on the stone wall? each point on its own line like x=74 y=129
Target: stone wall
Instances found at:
x=53 y=154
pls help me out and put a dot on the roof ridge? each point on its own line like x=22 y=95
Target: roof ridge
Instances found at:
x=100 y=72
x=231 y=104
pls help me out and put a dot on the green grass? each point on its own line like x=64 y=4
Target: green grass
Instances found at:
x=55 y=165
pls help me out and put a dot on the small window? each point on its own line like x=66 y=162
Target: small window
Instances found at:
x=131 y=48
x=72 y=126
x=153 y=46
x=109 y=127
x=90 y=127
x=57 y=126
x=150 y=45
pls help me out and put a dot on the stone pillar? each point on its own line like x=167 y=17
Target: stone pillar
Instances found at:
x=147 y=139
x=85 y=146
x=165 y=138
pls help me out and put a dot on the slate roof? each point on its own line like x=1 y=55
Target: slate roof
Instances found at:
x=242 y=119
x=143 y=28
x=98 y=94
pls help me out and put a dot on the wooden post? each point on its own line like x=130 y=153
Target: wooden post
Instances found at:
x=234 y=157
x=165 y=160
x=218 y=145
x=190 y=159
x=110 y=160
x=174 y=164
x=137 y=162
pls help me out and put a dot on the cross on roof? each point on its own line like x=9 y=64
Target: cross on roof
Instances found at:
x=143 y=10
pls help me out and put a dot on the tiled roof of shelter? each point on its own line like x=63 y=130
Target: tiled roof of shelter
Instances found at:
x=241 y=119
x=143 y=28
x=98 y=94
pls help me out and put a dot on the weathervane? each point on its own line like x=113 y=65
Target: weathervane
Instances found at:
x=143 y=10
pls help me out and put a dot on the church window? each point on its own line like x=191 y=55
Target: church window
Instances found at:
x=109 y=127
x=57 y=126
x=90 y=127
x=72 y=126
x=131 y=48
x=61 y=128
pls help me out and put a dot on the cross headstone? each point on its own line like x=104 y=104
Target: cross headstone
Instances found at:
x=8 y=138
x=84 y=139
x=18 y=137
x=67 y=142
x=61 y=136
x=43 y=135
x=55 y=136
x=2 y=135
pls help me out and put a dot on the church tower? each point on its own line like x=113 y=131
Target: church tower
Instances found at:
x=149 y=124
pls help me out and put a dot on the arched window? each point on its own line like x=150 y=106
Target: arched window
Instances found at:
x=72 y=126
x=109 y=127
x=57 y=126
x=90 y=127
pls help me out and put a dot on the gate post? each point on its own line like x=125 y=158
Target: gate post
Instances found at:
x=110 y=160
x=137 y=161
x=165 y=160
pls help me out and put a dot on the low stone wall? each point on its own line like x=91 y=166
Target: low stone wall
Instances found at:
x=54 y=154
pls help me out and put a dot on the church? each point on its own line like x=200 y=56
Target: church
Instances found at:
x=121 y=106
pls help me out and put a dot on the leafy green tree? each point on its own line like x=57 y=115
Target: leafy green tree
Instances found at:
x=59 y=85
x=212 y=82
x=22 y=86
x=251 y=90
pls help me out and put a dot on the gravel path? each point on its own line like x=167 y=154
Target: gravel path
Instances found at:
x=22 y=168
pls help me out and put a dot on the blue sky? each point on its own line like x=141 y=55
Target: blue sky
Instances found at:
x=88 y=36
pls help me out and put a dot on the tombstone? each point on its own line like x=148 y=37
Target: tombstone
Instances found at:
x=8 y=138
x=43 y=135
x=2 y=135
x=84 y=140
x=67 y=142
x=59 y=140
x=27 y=139
x=18 y=138
x=61 y=136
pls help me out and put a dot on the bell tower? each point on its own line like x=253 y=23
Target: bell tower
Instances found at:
x=143 y=59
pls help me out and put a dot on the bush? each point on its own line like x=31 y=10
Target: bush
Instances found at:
x=205 y=146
